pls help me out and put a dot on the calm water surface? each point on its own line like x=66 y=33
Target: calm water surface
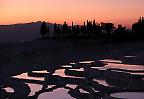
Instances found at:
x=61 y=93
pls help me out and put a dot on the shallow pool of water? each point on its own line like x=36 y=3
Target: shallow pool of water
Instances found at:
x=129 y=95
x=61 y=93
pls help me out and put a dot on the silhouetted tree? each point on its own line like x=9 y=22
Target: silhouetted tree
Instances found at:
x=89 y=28
x=93 y=29
x=59 y=30
x=72 y=27
x=121 y=33
x=43 y=29
x=77 y=31
x=73 y=30
x=69 y=31
x=48 y=31
x=83 y=30
x=108 y=27
x=139 y=25
x=65 y=27
x=120 y=29
x=96 y=29
x=56 y=30
x=138 y=29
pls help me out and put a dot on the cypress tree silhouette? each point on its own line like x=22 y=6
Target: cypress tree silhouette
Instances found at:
x=72 y=25
x=138 y=27
x=77 y=31
x=65 y=27
x=59 y=30
x=48 y=31
x=73 y=30
x=89 y=28
x=96 y=29
x=92 y=29
x=69 y=32
x=83 y=30
x=55 y=30
x=43 y=29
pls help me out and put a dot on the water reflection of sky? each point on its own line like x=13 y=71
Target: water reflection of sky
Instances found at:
x=61 y=72
x=129 y=95
x=125 y=66
x=117 y=64
x=61 y=93
x=34 y=88
x=25 y=76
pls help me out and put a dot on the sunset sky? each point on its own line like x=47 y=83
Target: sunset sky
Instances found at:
x=117 y=11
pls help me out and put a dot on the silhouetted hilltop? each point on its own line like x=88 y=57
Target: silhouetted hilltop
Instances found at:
x=21 y=31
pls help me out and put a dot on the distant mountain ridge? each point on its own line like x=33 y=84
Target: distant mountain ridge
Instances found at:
x=21 y=31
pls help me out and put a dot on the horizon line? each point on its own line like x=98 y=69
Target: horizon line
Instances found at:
x=69 y=23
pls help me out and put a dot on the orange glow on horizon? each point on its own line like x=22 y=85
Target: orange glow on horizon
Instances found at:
x=123 y=12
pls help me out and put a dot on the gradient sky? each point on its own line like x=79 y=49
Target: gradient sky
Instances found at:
x=118 y=11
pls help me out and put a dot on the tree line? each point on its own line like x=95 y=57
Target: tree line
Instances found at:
x=91 y=29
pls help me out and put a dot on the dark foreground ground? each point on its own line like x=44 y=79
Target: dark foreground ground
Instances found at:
x=21 y=57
